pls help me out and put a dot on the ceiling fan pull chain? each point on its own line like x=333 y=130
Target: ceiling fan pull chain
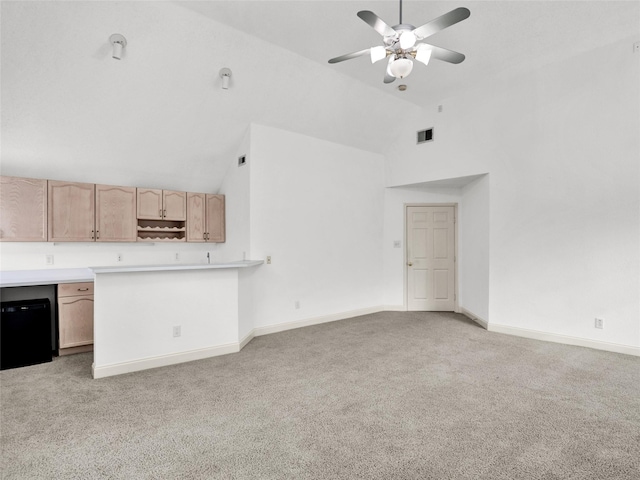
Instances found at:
x=400 y=12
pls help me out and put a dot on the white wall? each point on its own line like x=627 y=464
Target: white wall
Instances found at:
x=473 y=249
x=561 y=145
x=133 y=332
x=235 y=188
x=317 y=210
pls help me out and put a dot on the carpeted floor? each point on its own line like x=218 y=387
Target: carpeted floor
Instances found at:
x=392 y=395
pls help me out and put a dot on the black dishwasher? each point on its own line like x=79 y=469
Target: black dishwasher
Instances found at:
x=25 y=333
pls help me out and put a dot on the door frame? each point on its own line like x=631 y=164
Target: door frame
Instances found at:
x=456 y=307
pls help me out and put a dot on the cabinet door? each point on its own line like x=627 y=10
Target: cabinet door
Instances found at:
x=196 y=222
x=71 y=212
x=175 y=205
x=215 y=218
x=23 y=209
x=75 y=318
x=115 y=214
x=149 y=203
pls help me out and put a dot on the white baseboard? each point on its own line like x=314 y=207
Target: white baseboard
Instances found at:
x=199 y=354
x=472 y=316
x=172 y=359
x=394 y=308
x=281 y=327
x=247 y=338
x=566 y=339
x=163 y=360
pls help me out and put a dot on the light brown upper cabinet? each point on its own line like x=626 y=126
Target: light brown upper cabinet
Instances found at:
x=23 y=209
x=71 y=212
x=206 y=220
x=215 y=218
x=154 y=204
x=84 y=212
x=116 y=214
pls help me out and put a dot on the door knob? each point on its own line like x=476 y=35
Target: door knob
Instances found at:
x=410 y=264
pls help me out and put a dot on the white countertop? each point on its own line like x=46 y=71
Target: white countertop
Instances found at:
x=176 y=266
x=23 y=278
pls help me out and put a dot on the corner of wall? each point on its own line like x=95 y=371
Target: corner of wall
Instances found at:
x=235 y=188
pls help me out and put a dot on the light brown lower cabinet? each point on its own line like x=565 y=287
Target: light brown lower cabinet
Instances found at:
x=75 y=317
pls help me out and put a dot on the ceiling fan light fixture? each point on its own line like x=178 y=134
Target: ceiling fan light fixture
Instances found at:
x=407 y=40
x=401 y=43
x=377 y=53
x=401 y=67
x=423 y=53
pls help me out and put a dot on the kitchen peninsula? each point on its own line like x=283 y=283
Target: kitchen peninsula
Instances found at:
x=148 y=316
x=155 y=315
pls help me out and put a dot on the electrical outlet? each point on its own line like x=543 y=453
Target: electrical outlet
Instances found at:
x=636 y=47
x=177 y=256
x=177 y=330
x=268 y=259
x=397 y=244
x=599 y=323
x=296 y=304
x=49 y=259
x=119 y=257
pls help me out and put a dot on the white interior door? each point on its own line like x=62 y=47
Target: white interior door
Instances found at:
x=431 y=258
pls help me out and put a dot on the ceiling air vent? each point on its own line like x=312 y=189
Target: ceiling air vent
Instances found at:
x=242 y=160
x=425 y=135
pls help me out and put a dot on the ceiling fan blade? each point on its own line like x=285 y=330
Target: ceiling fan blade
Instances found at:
x=389 y=78
x=446 y=55
x=377 y=23
x=442 y=22
x=349 y=56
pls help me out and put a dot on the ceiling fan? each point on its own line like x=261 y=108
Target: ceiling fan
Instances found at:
x=402 y=43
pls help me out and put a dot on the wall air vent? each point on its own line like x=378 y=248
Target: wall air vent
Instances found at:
x=425 y=135
x=242 y=160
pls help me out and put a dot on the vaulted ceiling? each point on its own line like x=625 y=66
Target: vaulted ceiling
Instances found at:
x=159 y=117
x=500 y=37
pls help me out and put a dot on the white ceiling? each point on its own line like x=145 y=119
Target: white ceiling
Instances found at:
x=158 y=118
x=500 y=37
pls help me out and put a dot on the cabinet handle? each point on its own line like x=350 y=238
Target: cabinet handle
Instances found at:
x=160 y=213
x=83 y=289
x=92 y=235
x=164 y=214
x=97 y=234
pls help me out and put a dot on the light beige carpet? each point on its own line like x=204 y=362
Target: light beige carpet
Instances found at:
x=383 y=396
